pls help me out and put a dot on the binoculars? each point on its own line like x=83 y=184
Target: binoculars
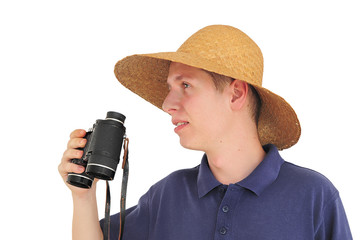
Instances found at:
x=102 y=151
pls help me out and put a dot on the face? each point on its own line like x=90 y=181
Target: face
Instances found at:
x=199 y=111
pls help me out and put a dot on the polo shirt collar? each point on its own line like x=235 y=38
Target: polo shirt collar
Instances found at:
x=205 y=181
x=263 y=176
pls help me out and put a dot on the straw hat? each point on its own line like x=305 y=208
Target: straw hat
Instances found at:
x=224 y=50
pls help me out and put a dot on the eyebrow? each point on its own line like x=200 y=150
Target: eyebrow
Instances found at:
x=178 y=78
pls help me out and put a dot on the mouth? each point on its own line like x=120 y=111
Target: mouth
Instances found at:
x=180 y=125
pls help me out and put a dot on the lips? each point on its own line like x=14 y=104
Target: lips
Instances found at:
x=180 y=124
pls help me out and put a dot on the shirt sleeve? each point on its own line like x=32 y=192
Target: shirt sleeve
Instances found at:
x=334 y=225
x=136 y=226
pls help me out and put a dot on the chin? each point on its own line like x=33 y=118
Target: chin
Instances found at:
x=191 y=145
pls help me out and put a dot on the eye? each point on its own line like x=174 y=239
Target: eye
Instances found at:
x=185 y=85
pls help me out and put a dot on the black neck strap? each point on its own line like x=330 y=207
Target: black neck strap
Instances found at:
x=125 y=167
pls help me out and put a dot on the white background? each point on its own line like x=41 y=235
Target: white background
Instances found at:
x=56 y=73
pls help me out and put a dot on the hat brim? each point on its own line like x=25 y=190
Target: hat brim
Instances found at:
x=146 y=75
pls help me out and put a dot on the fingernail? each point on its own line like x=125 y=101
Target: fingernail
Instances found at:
x=83 y=141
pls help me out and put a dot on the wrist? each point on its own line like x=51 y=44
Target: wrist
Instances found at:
x=81 y=195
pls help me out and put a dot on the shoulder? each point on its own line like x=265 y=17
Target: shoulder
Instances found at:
x=314 y=198
x=305 y=180
x=304 y=174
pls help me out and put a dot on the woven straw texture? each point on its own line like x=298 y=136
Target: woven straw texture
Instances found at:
x=224 y=50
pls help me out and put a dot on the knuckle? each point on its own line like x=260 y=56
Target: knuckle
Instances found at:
x=70 y=143
x=69 y=167
x=63 y=169
x=60 y=168
x=66 y=154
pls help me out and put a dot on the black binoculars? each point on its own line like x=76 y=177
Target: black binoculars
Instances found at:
x=102 y=151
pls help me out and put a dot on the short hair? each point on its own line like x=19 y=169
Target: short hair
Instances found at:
x=220 y=82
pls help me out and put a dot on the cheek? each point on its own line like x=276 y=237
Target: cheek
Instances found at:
x=216 y=114
x=207 y=110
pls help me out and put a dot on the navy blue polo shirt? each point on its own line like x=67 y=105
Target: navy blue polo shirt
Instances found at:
x=278 y=200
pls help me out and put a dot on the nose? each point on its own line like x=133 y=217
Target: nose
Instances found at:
x=171 y=102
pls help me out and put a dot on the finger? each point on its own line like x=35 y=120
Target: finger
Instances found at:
x=71 y=167
x=65 y=168
x=66 y=165
x=71 y=153
x=76 y=143
x=78 y=133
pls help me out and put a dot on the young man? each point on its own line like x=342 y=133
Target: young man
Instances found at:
x=243 y=189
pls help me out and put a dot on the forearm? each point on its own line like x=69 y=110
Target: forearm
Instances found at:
x=85 y=218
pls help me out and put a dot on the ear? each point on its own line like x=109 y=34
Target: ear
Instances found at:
x=239 y=90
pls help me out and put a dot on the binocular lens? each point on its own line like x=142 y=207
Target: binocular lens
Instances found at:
x=79 y=180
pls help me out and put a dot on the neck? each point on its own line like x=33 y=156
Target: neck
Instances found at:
x=232 y=161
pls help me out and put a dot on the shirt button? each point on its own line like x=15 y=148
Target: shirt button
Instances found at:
x=223 y=231
x=225 y=208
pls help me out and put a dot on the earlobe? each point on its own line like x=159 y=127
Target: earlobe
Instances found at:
x=239 y=93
